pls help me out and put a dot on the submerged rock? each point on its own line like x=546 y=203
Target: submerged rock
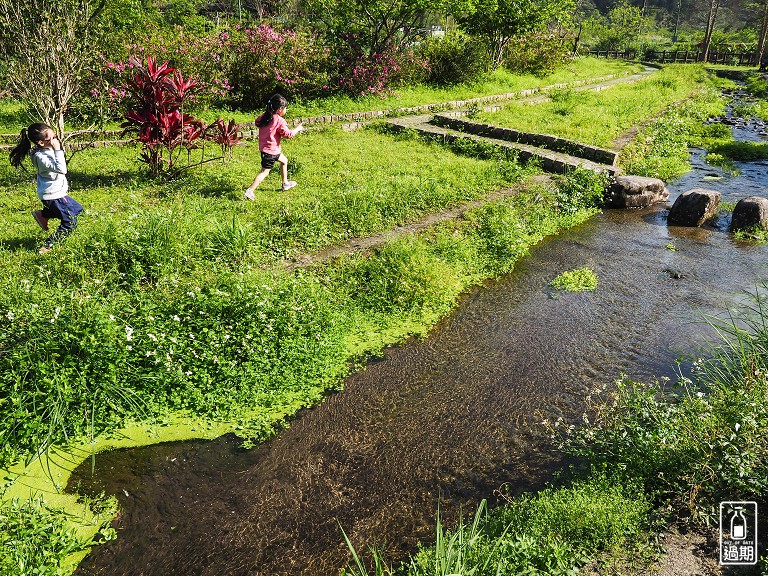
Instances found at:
x=749 y=212
x=694 y=207
x=636 y=192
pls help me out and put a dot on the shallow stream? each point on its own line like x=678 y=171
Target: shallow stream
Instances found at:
x=449 y=418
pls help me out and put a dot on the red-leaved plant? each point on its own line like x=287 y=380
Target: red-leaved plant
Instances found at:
x=225 y=134
x=158 y=94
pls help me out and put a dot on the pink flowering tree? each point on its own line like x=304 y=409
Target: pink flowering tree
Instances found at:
x=361 y=74
x=266 y=60
x=371 y=39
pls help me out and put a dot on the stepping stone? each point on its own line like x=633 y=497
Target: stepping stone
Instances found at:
x=694 y=207
x=749 y=212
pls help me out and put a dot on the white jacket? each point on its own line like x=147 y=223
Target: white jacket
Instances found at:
x=51 y=173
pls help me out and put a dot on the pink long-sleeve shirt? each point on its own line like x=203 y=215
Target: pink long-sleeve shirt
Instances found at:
x=271 y=134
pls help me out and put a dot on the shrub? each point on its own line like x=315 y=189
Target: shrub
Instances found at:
x=158 y=95
x=158 y=98
x=207 y=58
x=266 y=60
x=225 y=134
x=363 y=73
x=454 y=59
x=535 y=54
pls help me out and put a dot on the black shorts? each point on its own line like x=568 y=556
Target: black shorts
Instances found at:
x=268 y=160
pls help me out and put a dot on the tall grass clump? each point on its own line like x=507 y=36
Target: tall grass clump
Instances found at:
x=702 y=442
x=553 y=532
x=38 y=539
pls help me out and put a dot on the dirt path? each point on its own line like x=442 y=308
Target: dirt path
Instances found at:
x=368 y=243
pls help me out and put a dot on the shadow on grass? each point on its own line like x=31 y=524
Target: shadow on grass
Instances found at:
x=122 y=178
x=20 y=244
x=206 y=186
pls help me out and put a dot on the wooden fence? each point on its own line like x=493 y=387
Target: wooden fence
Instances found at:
x=680 y=56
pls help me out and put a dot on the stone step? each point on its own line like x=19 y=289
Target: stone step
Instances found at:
x=570 y=147
x=550 y=160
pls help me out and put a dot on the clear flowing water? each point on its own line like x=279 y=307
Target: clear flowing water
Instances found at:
x=450 y=418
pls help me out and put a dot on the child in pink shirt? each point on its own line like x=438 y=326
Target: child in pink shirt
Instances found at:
x=272 y=129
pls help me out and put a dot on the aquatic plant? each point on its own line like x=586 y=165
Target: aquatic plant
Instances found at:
x=578 y=280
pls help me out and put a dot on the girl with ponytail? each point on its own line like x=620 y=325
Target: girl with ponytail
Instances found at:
x=273 y=128
x=43 y=147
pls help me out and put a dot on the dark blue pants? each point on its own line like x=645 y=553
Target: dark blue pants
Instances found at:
x=65 y=209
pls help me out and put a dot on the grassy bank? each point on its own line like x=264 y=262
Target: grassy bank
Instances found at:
x=599 y=118
x=500 y=81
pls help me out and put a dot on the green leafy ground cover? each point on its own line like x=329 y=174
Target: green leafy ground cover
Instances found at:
x=579 y=280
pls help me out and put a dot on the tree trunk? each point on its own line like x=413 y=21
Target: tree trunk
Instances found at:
x=763 y=33
x=578 y=37
x=714 y=5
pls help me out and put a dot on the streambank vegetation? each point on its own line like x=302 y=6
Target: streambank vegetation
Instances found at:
x=649 y=454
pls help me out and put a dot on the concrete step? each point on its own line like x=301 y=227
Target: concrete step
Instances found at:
x=570 y=147
x=550 y=160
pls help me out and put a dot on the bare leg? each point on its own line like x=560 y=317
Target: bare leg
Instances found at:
x=259 y=179
x=283 y=168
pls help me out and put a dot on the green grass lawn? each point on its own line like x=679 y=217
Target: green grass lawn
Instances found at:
x=350 y=184
x=598 y=118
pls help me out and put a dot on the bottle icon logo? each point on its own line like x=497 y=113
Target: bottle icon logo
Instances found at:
x=738 y=524
x=738 y=533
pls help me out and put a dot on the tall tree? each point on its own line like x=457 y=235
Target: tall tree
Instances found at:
x=763 y=32
x=499 y=21
x=373 y=25
x=713 y=7
x=47 y=47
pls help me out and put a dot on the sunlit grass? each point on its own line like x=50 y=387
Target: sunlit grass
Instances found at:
x=579 y=280
x=598 y=118
x=500 y=81
x=349 y=184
